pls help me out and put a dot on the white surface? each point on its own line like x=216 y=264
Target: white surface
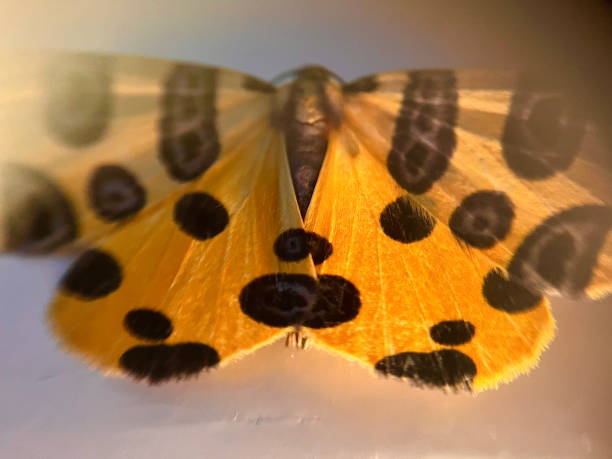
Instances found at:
x=280 y=402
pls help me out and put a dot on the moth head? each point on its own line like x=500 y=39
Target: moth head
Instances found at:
x=307 y=95
x=308 y=73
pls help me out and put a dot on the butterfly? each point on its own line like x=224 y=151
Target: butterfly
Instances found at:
x=412 y=221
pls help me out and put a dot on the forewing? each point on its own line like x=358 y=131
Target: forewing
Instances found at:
x=160 y=298
x=89 y=142
x=509 y=162
x=422 y=312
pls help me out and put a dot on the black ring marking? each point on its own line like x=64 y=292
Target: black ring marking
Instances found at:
x=38 y=218
x=295 y=244
x=562 y=251
x=114 y=193
x=424 y=136
x=200 y=215
x=281 y=300
x=542 y=135
x=79 y=99
x=447 y=367
x=95 y=274
x=189 y=142
x=452 y=332
x=163 y=362
x=483 y=218
x=148 y=324
x=558 y=256
x=403 y=222
x=291 y=245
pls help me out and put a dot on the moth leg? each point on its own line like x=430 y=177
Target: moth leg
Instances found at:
x=297 y=339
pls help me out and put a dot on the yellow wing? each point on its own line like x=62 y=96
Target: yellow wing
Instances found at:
x=197 y=251
x=172 y=179
x=163 y=297
x=508 y=162
x=422 y=314
x=88 y=142
x=453 y=203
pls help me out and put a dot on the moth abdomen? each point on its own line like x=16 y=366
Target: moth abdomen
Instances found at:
x=306 y=111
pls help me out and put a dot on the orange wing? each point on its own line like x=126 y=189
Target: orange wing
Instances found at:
x=513 y=151
x=88 y=142
x=422 y=313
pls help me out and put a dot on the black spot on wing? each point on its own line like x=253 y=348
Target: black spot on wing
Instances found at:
x=542 y=133
x=483 y=218
x=296 y=244
x=452 y=332
x=402 y=222
x=424 y=137
x=78 y=99
x=148 y=324
x=446 y=367
x=95 y=274
x=507 y=295
x=338 y=302
x=281 y=300
x=38 y=218
x=114 y=193
x=559 y=256
x=562 y=251
x=320 y=248
x=365 y=84
x=200 y=215
x=291 y=245
x=189 y=142
x=163 y=362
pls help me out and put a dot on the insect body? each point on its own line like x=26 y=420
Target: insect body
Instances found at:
x=412 y=221
x=306 y=111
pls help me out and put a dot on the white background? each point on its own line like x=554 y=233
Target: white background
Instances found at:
x=280 y=402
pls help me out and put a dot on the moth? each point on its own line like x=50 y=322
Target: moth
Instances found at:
x=413 y=221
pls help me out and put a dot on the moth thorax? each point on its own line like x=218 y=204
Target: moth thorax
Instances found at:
x=306 y=110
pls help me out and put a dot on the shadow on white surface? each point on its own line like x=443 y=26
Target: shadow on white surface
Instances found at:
x=281 y=402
